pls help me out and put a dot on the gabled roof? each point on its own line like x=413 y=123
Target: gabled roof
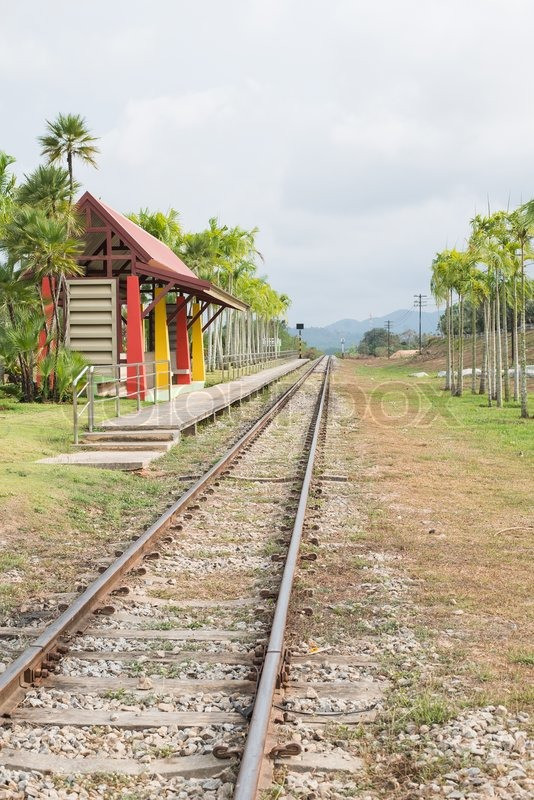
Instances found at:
x=156 y=252
x=157 y=259
x=150 y=250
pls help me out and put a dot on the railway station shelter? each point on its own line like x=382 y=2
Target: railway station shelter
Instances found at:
x=137 y=307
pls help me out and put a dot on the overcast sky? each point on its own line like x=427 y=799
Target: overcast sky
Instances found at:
x=360 y=137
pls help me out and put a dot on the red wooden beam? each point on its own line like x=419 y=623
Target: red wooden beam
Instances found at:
x=156 y=300
x=199 y=313
x=103 y=257
x=179 y=307
x=208 y=323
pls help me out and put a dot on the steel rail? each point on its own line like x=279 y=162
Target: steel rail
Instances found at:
x=251 y=763
x=20 y=673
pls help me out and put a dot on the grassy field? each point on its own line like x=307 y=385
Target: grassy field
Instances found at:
x=396 y=398
x=450 y=487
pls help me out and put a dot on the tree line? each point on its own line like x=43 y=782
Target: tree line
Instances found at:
x=228 y=257
x=489 y=277
x=41 y=236
x=378 y=342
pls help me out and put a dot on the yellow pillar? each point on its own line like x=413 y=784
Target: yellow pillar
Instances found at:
x=162 y=349
x=198 y=370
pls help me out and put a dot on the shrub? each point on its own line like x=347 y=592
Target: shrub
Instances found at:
x=10 y=390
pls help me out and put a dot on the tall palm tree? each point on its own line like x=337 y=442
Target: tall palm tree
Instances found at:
x=68 y=137
x=441 y=285
x=461 y=263
x=523 y=225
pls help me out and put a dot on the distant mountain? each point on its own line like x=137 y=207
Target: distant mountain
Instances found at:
x=352 y=330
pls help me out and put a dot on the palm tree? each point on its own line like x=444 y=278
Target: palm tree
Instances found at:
x=19 y=343
x=68 y=137
x=7 y=181
x=15 y=291
x=44 y=247
x=492 y=237
x=16 y=295
x=461 y=263
x=48 y=187
x=165 y=227
x=522 y=223
x=441 y=288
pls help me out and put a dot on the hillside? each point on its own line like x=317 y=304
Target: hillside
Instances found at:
x=327 y=338
x=433 y=357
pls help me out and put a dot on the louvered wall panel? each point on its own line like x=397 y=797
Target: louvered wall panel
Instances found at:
x=92 y=319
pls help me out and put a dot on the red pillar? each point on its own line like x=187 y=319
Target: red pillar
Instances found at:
x=46 y=292
x=183 y=361
x=135 y=350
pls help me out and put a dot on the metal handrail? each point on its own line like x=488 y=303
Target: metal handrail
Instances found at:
x=234 y=363
x=89 y=388
x=237 y=363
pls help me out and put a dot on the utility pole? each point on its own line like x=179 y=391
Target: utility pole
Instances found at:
x=419 y=302
x=387 y=326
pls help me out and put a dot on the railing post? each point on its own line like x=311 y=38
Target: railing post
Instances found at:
x=91 y=400
x=138 y=387
x=170 y=380
x=75 y=412
x=117 y=371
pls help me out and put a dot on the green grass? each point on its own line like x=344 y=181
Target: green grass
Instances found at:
x=155 y=668
x=421 y=402
x=10 y=561
x=346 y=733
x=56 y=519
x=424 y=709
x=31 y=493
x=523 y=657
x=126 y=698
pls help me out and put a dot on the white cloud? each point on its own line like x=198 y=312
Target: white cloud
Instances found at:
x=360 y=137
x=150 y=126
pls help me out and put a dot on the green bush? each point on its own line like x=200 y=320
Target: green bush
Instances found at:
x=10 y=390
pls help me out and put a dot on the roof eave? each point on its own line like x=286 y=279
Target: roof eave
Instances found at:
x=226 y=299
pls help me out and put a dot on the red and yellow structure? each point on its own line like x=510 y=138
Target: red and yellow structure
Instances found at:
x=137 y=307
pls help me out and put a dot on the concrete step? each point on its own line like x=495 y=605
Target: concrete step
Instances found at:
x=144 y=435
x=105 y=459
x=160 y=447
x=146 y=426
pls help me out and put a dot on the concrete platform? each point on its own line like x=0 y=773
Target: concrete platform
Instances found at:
x=132 y=441
x=187 y=409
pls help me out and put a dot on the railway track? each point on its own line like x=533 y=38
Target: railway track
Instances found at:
x=169 y=675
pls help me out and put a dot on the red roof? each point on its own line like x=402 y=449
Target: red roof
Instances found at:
x=154 y=257
x=152 y=250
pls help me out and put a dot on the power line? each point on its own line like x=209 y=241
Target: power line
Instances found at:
x=404 y=317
